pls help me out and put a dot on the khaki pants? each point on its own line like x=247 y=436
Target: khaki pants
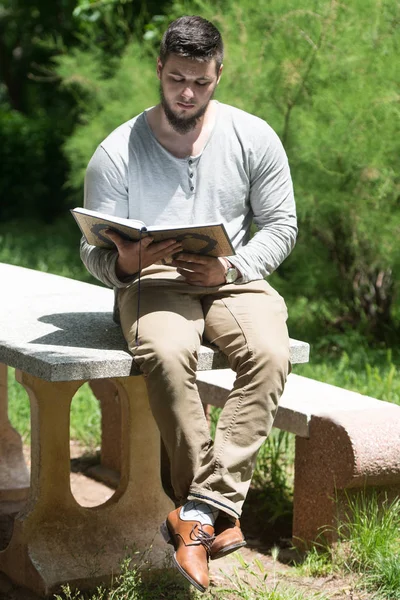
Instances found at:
x=248 y=323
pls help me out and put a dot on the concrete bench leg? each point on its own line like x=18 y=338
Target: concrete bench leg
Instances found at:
x=55 y=540
x=14 y=475
x=109 y=468
x=347 y=451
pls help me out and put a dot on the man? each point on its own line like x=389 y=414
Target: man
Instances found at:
x=192 y=160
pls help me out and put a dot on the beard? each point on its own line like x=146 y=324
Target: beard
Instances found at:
x=180 y=124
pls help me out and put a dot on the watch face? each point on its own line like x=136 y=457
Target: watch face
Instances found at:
x=231 y=275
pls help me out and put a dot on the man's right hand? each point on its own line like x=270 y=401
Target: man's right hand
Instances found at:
x=151 y=252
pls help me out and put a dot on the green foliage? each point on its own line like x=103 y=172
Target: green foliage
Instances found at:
x=52 y=248
x=323 y=74
x=33 y=123
x=318 y=562
x=253 y=582
x=28 y=33
x=385 y=577
x=32 y=166
x=371 y=372
x=85 y=416
x=371 y=526
x=85 y=419
x=369 y=545
x=250 y=582
x=37 y=114
x=273 y=477
x=18 y=407
x=329 y=98
x=105 y=102
x=112 y=24
x=137 y=582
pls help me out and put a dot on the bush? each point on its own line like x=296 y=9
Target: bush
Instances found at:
x=32 y=168
x=324 y=77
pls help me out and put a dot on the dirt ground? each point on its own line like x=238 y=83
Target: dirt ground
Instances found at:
x=260 y=540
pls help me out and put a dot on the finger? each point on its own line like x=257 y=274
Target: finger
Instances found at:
x=174 y=250
x=125 y=246
x=117 y=239
x=166 y=244
x=193 y=258
x=191 y=275
x=190 y=267
x=157 y=253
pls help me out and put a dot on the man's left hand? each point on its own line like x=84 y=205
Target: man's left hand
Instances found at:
x=200 y=270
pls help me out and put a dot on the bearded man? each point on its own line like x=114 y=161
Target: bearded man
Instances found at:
x=192 y=160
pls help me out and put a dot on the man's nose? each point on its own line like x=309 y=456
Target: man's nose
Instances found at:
x=187 y=93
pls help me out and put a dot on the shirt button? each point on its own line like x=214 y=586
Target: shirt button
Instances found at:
x=190 y=161
x=191 y=175
x=191 y=189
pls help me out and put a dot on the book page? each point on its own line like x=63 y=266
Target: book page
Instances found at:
x=210 y=240
x=93 y=229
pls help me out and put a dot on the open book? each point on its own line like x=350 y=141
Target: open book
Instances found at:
x=210 y=239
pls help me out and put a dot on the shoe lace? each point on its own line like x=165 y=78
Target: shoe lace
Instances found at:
x=199 y=535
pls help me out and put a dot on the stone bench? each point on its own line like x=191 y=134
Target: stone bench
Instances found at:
x=344 y=442
x=58 y=333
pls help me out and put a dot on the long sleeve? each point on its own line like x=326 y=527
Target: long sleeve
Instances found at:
x=241 y=176
x=274 y=213
x=105 y=191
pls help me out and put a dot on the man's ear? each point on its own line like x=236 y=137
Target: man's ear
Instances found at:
x=159 y=67
x=219 y=73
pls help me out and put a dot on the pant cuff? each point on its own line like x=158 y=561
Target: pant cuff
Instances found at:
x=216 y=500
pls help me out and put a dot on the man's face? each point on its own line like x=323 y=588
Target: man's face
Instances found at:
x=186 y=88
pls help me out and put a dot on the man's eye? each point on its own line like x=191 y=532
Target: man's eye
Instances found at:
x=201 y=82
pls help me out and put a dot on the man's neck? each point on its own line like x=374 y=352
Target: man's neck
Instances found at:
x=186 y=144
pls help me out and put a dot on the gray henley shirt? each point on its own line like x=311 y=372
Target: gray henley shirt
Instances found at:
x=241 y=176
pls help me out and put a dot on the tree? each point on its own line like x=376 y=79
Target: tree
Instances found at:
x=37 y=111
x=324 y=76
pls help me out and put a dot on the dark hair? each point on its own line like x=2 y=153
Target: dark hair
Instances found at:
x=193 y=37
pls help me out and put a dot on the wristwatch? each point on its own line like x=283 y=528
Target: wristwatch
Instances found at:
x=231 y=273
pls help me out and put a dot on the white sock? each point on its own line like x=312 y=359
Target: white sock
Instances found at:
x=199 y=511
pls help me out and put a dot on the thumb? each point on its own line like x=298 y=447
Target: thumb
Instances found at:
x=114 y=237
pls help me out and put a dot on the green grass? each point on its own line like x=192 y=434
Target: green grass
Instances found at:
x=18 y=407
x=51 y=247
x=371 y=540
x=248 y=582
x=368 y=546
x=135 y=583
x=85 y=415
x=254 y=582
x=273 y=478
x=369 y=371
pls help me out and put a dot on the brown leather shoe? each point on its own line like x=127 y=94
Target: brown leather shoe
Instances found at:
x=192 y=542
x=228 y=537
